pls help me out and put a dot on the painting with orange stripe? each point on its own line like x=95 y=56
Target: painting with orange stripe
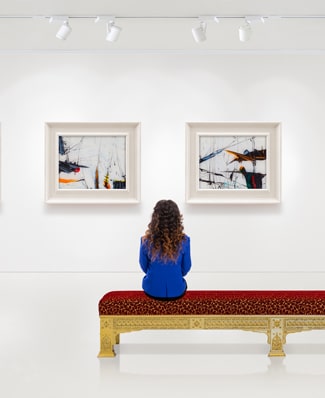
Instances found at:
x=232 y=162
x=88 y=162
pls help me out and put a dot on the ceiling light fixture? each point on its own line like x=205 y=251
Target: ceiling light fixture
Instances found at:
x=65 y=28
x=112 y=31
x=199 y=33
x=245 y=31
x=64 y=31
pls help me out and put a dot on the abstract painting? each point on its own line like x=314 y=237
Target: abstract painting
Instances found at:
x=92 y=162
x=235 y=162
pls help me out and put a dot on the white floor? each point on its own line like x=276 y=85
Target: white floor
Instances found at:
x=49 y=341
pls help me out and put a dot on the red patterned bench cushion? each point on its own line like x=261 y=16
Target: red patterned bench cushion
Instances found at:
x=216 y=302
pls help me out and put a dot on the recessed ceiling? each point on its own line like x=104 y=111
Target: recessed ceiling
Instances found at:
x=159 y=33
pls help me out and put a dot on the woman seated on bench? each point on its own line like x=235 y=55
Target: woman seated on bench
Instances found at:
x=165 y=255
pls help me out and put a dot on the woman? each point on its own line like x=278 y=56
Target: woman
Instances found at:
x=165 y=253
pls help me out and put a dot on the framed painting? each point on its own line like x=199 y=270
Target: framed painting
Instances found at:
x=233 y=162
x=92 y=163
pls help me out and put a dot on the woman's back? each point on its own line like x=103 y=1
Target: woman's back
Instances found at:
x=165 y=279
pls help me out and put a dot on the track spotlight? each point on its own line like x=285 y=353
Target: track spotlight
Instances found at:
x=65 y=28
x=113 y=31
x=199 y=33
x=245 y=32
x=64 y=31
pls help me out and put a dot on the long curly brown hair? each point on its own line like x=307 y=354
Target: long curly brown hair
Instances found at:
x=165 y=231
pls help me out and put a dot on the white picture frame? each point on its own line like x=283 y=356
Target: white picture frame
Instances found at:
x=83 y=158
x=220 y=171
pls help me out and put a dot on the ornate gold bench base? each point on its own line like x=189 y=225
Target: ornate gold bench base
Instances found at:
x=275 y=327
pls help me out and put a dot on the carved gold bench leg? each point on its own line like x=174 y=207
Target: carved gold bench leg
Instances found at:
x=117 y=338
x=276 y=337
x=107 y=338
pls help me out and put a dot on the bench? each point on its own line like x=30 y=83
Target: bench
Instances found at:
x=275 y=313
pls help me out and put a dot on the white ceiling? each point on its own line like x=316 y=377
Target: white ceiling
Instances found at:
x=161 y=7
x=163 y=34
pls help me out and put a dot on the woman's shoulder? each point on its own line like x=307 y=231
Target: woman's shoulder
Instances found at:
x=186 y=239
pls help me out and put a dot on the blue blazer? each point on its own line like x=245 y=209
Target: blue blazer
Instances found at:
x=165 y=280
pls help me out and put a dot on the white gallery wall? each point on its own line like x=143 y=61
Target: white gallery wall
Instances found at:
x=162 y=91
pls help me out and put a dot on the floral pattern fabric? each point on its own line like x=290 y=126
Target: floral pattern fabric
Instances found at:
x=216 y=302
